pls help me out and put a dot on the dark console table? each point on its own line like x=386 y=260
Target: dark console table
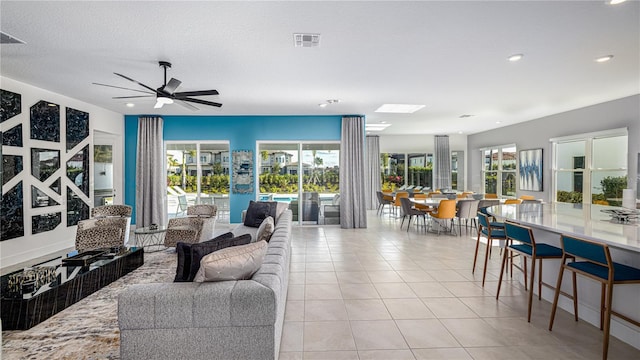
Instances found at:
x=25 y=308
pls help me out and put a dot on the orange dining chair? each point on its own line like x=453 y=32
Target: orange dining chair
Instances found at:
x=490 y=196
x=423 y=207
x=397 y=204
x=513 y=202
x=527 y=197
x=445 y=213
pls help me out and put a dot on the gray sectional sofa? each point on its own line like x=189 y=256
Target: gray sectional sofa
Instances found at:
x=211 y=320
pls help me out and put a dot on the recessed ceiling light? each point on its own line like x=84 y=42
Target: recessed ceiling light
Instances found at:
x=616 y=2
x=130 y=105
x=399 y=108
x=497 y=122
x=604 y=58
x=459 y=132
x=376 y=127
x=515 y=57
x=323 y=105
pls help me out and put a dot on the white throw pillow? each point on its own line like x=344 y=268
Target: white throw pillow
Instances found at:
x=265 y=230
x=232 y=263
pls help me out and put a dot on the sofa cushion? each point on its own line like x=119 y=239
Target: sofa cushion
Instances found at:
x=265 y=230
x=232 y=263
x=258 y=211
x=184 y=257
x=200 y=250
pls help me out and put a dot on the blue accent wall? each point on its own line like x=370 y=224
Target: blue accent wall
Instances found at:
x=242 y=132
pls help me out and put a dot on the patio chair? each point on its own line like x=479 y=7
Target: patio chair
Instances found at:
x=182 y=205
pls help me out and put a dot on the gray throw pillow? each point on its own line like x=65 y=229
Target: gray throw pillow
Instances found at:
x=265 y=230
x=232 y=263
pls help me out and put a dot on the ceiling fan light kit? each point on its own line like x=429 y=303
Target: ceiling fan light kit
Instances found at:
x=166 y=94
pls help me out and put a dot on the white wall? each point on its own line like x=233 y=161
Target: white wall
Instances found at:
x=616 y=114
x=30 y=246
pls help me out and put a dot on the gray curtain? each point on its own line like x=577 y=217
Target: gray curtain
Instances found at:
x=353 y=210
x=442 y=166
x=151 y=181
x=373 y=172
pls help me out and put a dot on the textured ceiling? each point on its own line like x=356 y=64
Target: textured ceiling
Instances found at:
x=447 y=55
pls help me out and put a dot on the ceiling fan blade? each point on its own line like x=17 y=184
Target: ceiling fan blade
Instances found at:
x=133 y=97
x=186 y=105
x=172 y=85
x=203 y=102
x=137 y=82
x=196 y=93
x=124 y=88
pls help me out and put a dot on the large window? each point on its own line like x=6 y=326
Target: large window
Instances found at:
x=499 y=170
x=305 y=175
x=197 y=173
x=591 y=168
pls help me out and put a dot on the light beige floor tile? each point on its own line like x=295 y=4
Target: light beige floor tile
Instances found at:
x=474 y=332
x=486 y=306
x=328 y=336
x=319 y=266
x=325 y=310
x=373 y=309
x=426 y=333
x=377 y=335
x=296 y=278
x=294 y=311
x=292 y=336
x=442 y=353
x=359 y=291
x=376 y=266
x=403 y=265
x=465 y=289
x=414 y=276
x=386 y=355
x=517 y=331
x=353 y=277
x=430 y=289
x=499 y=353
x=446 y=275
x=322 y=292
x=408 y=309
x=347 y=266
x=330 y=355
x=295 y=292
x=320 y=277
x=384 y=276
x=445 y=308
x=290 y=355
x=325 y=257
x=394 y=290
x=297 y=267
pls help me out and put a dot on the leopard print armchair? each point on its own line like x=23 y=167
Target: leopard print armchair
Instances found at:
x=109 y=228
x=199 y=225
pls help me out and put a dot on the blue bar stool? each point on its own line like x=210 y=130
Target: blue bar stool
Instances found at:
x=596 y=264
x=491 y=232
x=520 y=242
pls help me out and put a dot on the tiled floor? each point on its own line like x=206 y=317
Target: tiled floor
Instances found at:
x=383 y=293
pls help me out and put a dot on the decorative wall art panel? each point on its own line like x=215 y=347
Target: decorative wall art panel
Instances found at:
x=56 y=186
x=13 y=136
x=45 y=222
x=12 y=218
x=45 y=121
x=44 y=162
x=11 y=105
x=530 y=162
x=77 y=127
x=76 y=208
x=78 y=169
x=11 y=166
x=40 y=199
x=242 y=171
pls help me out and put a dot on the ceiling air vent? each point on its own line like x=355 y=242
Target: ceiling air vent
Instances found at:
x=306 y=40
x=8 y=39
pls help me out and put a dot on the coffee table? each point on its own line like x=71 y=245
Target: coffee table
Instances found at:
x=148 y=237
x=35 y=301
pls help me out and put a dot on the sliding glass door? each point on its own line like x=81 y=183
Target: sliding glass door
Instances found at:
x=303 y=174
x=197 y=173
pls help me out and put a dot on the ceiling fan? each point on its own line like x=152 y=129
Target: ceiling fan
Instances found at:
x=166 y=94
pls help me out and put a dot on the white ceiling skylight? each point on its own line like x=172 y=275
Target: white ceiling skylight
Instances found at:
x=399 y=108
x=376 y=127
